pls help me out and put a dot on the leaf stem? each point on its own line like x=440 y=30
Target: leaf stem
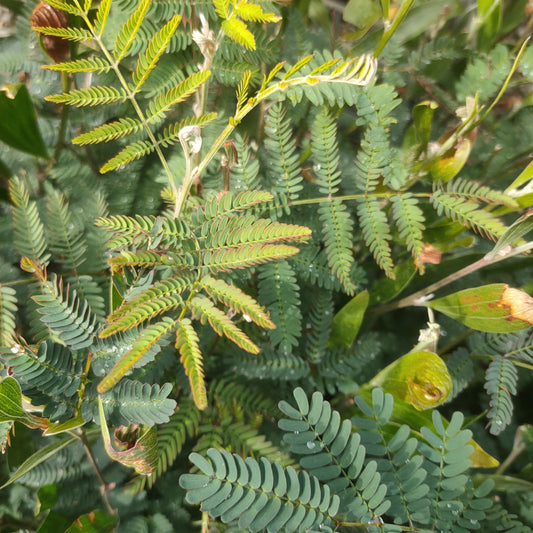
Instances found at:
x=389 y=32
x=131 y=97
x=418 y=298
x=104 y=486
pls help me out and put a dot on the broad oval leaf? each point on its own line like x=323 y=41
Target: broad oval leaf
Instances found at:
x=495 y=308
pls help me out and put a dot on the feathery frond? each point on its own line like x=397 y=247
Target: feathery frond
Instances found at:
x=237 y=300
x=147 y=61
x=129 y=31
x=205 y=311
x=67 y=317
x=187 y=343
x=29 y=230
x=8 y=308
x=90 y=96
x=280 y=293
x=258 y=494
x=147 y=338
x=501 y=380
x=337 y=225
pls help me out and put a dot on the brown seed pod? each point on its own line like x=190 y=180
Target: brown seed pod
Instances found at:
x=46 y=16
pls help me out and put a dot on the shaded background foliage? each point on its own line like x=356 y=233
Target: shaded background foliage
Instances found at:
x=231 y=312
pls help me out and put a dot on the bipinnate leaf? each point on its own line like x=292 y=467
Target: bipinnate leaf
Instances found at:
x=259 y=496
x=495 y=308
x=127 y=34
x=137 y=445
x=110 y=131
x=146 y=339
x=90 y=96
x=237 y=300
x=237 y=31
x=206 y=311
x=91 y=64
x=147 y=61
x=66 y=315
x=187 y=343
x=332 y=453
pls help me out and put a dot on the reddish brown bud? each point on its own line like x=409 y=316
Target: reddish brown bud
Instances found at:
x=46 y=16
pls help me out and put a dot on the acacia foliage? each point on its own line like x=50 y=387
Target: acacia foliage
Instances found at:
x=270 y=189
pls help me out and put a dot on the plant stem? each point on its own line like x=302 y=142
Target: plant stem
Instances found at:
x=358 y=72
x=104 y=487
x=205 y=522
x=389 y=32
x=418 y=298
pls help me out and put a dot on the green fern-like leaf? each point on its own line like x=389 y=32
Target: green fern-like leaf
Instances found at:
x=376 y=233
x=275 y=365
x=171 y=133
x=337 y=226
x=237 y=300
x=447 y=484
x=395 y=454
x=187 y=343
x=165 y=295
x=65 y=240
x=147 y=62
x=133 y=402
x=409 y=220
x=71 y=34
x=159 y=106
x=8 y=308
x=468 y=213
x=516 y=345
x=90 y=96
x=479 y=193
x=284 y=161
x=127 y=34
x=334 y=455
x=254 y=13
x=29 y=231
x=246 y=255
x=238 y=31
x=280 y=293
x=501 y=380
x=245 y=172
x=229 y=203
x=143 y=231
x=148 y=337
x=109 y=132
x=48 y=370
x=101 y=17
x=205 y=311
x=461 y=369
x=91 y=64
x=259 y=495
x=67 y=317
x=320 y=317
x=131 y=152
x=244 y=230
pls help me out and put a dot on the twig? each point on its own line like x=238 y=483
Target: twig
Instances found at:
x=104 y=487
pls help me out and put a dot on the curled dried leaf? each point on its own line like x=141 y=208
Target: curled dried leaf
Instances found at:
x=520 y=304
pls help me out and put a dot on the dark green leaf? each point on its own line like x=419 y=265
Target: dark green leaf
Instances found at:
x=18 y=127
